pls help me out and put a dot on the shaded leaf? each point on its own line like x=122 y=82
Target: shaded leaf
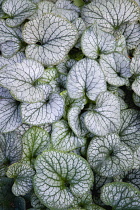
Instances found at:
x=22 y=175
x=10 y=117
x=108 y=156
x=121 y=195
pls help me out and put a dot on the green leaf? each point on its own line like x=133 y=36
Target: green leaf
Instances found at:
x=108 y=156
x=63 y=138
x=85 y=78
x=48 y=111
x=95 y=42
x=52 y=41
x=116 y=68
x=18 y=11
x=10 y=116
x=22 y=175
x=21 y=78
x=10 y=150
x=84 y=201
x=52 y=181
x=105 y=117
x=110 y=15
x=121 y=195
x=34 y=141
x=130 y=128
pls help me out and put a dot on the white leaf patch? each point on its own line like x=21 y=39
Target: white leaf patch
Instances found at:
x=110 y=14
x=21 y=79
x=18 y=11
x=50 y=38
x=95 y=42
x=105 y=117
x=47 y=111
x=85 y=77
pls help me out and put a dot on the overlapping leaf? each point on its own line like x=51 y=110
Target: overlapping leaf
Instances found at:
x=10 y=116
x=10 y=150
x=110 y=14
x=136 y=99
x=34 y=140
x=50 y=38
x=17 y=11
x=116 y=68
x=63 y=138
x=105 y=117
x=86 y=78
x=108 y=156
x=76 y=120
x=21 y=79
x=47 y=111
x=132 y=177
x=95 y=42
x=131 y=31
x=73 y=179
x=22 y=175
x=121 y=195
x=43 y=7
x=130 y=128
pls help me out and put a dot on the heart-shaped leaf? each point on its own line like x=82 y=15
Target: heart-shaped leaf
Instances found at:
x=130 y=128
x=73 y=179
x=116 y=68
x=95 y=42
x=110 y=14
x=121 y=195
x=47 y=111
x=108 y=156
x=17 y=11
x=10 y=117
x=105 y=117
x=63 y=138
x=10 y=150
x=21 y=79
x=34 y=140
x=22 y=175
x=85 y=78
x=52 y=40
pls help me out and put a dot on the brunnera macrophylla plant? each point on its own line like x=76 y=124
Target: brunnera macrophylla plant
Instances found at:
x=70 y=104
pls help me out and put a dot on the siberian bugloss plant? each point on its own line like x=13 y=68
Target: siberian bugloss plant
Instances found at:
x=70 y=104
